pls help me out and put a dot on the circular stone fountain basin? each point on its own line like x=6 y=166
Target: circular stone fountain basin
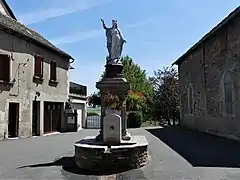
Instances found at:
x=96 y=156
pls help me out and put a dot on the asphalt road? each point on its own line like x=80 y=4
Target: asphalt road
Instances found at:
x=173 y=154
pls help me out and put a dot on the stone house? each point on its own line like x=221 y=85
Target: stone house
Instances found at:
x=209 y=75
x=34 y=80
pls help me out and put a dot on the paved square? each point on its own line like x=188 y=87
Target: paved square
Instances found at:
x=174 y=154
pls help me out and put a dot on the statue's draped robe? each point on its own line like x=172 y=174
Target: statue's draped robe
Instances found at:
x=117 y=42
x=114 y=43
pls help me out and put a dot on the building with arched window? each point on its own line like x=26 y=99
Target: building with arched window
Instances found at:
x=209 y=75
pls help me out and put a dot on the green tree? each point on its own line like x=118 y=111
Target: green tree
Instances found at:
x=94 y=99
x=135 y=76
x=165 y=104
x=139 y=83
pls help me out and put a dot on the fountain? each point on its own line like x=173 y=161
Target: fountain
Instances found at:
x=114 y=149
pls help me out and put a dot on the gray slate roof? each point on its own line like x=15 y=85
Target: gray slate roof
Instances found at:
x=14 y=27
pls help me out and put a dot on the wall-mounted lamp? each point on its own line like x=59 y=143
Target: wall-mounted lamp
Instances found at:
x=37 y=95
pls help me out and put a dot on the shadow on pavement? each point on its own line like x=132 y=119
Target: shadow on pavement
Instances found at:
x=200 y=149
x=68 y=165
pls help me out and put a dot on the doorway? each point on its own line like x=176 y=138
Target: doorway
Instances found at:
x=13 y=120
x=36 y=118
x=52 y=117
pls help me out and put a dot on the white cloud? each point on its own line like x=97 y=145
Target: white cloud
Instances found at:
x=141 y=23
x=52 y=12
x=81 y=36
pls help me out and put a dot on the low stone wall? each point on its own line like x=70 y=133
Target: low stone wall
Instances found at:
x=120 y=158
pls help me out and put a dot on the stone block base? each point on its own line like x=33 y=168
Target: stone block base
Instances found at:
x=101 y=158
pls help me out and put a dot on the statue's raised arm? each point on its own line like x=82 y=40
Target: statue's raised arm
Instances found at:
x=108 y=36
x=103 y=24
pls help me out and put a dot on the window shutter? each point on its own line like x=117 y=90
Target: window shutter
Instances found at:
x=53 y=70
x=5 y=68
x=1 y=67
x=38 y=66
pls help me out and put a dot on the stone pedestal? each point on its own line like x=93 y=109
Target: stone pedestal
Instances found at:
x=113 y=150
x=115 y=83
x=99 y=157
x=114 y=71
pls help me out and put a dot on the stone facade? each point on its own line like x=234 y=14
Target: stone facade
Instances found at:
x=93 y=156
x=206 y=102
x=23 y=90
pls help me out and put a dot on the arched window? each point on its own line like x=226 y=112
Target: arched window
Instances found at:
x=190 y=100
x=228 y=93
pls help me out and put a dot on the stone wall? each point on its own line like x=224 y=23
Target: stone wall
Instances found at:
x=120 y=159
x=24 y=89
x=204 y=69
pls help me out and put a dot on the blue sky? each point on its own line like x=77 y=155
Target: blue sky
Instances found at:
x=157 y=31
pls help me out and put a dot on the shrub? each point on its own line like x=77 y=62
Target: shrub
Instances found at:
x=92 y=114
x=134 y=119
x=135 y=101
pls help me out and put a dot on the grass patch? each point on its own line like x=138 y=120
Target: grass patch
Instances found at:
x=93 y=111
x=92 y=114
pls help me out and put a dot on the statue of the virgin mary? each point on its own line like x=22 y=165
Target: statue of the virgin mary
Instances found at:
x=115 y=41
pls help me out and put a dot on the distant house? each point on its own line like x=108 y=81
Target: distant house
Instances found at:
x=209 y=74
x=78 y=103
x=34 y=80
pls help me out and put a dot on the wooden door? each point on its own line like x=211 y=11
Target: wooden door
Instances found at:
x=52 y=117
x=56 y=116
x=13 y=120
x=47 y=117
x=36 y=118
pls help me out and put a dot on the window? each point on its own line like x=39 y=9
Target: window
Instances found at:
x=38 y=70
x=228 y=93
x=53 y=70
x=190 y=100
x=4 y=68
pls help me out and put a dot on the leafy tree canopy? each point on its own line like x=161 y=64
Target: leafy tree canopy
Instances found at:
x=136 y=76
x=166 y=94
